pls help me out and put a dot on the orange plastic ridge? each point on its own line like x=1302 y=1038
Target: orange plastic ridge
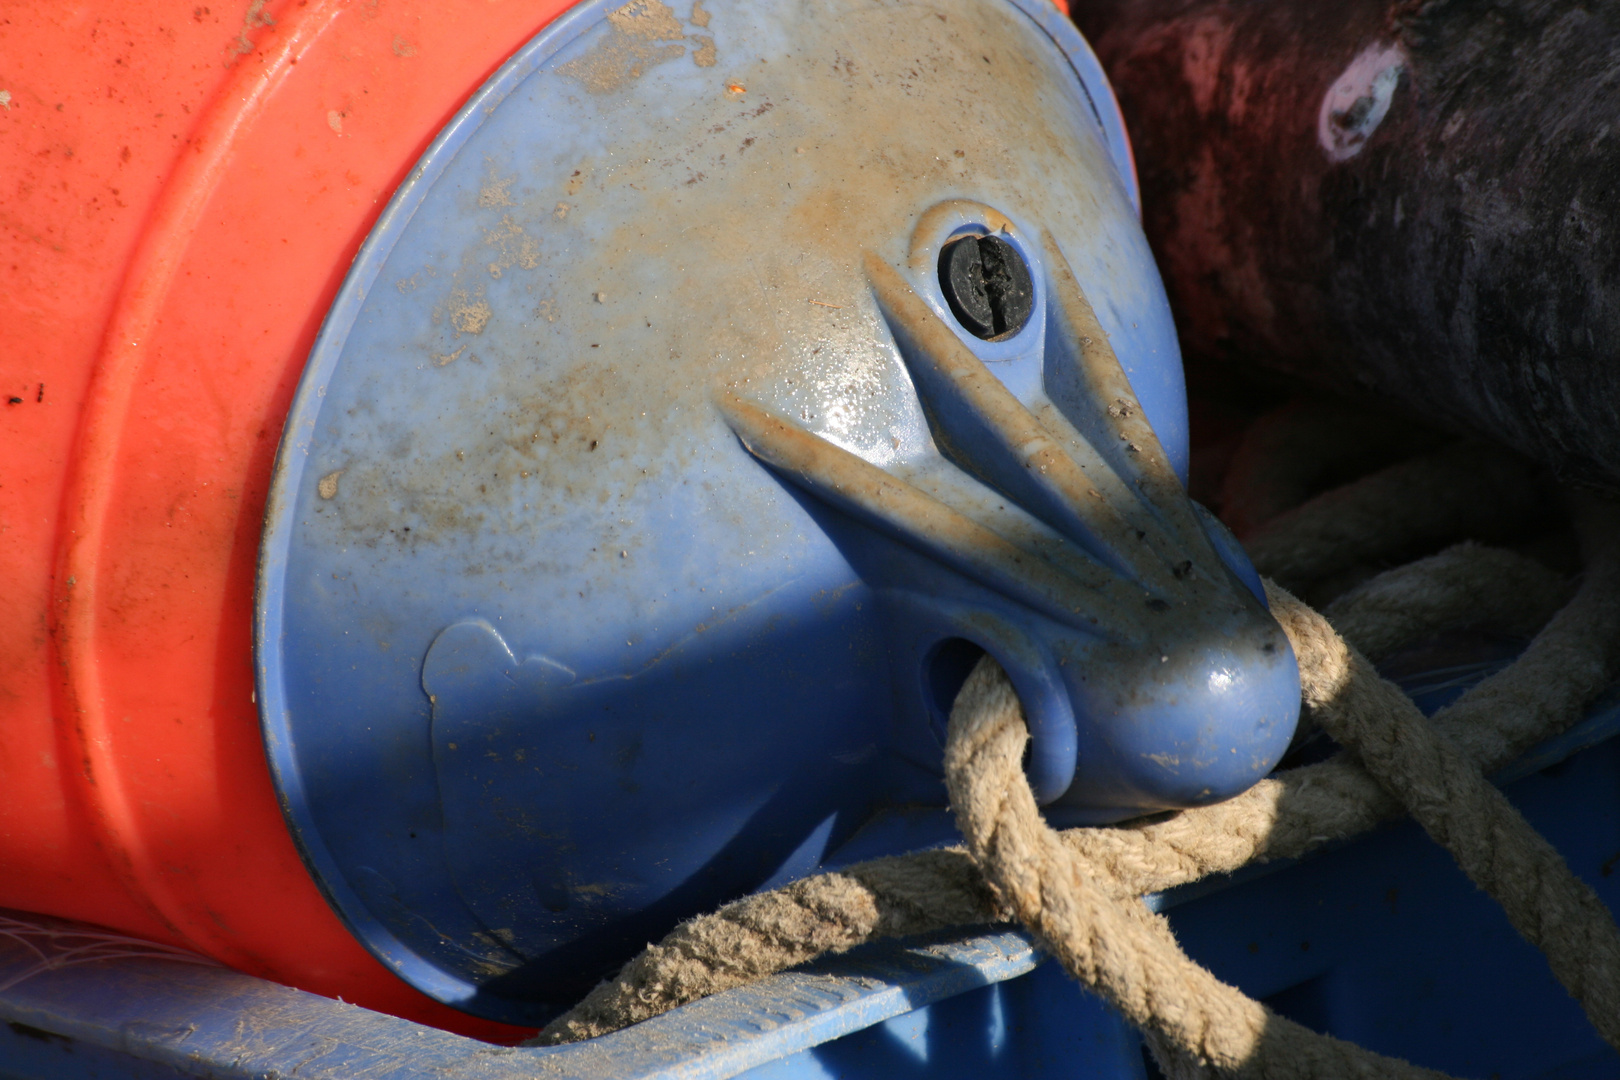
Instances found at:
x=188 y=186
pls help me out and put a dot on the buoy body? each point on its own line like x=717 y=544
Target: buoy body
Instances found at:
x=186 y=186
x=601 y=531
x=1412 y=201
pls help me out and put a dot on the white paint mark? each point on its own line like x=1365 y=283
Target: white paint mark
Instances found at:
x=5 y=100
x=1358 y=100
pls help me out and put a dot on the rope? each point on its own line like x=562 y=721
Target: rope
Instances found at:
x=1468 y=585
x=1077 y=890
x=760 y=935
x=1287 y=455
x=1449 y=796
x=1466 y=489
x=1114 y=944
x=1573 y=659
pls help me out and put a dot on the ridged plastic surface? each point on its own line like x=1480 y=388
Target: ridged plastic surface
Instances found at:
x=643 y=498
x=185 y=187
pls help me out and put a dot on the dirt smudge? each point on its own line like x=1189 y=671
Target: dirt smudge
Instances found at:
x=252 y=19
x=630 y=48
x=513 y=247
x=469 y=316
x=496 y=193
x=651 y=19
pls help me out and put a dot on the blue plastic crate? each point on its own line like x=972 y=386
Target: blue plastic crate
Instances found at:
x=1381 y=940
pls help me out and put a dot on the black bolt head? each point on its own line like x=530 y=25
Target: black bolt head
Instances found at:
x=987 y=285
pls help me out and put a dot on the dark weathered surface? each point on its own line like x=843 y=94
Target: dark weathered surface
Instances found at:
x=1461 y=256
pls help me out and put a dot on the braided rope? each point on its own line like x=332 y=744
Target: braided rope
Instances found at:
x=1465 y=489
x=1129 y=954
x=1113 y=943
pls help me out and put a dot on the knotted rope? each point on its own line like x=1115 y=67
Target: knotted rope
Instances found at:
x=1111 y=941
x=1079 y=890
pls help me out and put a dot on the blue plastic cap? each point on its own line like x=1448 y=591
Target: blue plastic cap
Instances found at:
x=644 y=500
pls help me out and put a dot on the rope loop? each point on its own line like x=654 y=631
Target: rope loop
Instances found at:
x=1079 y=891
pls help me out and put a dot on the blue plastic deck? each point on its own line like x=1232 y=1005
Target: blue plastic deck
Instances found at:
x=150 y=1016
x=1381 y=940
x=512 y=676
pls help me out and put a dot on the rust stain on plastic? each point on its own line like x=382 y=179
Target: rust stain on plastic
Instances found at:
x=512 y=244
x=708 y=236
x=470 y=316
x=496 y=192
x=632 y=47
x=649 y=19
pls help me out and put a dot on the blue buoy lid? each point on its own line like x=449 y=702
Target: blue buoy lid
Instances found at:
x=650 y=489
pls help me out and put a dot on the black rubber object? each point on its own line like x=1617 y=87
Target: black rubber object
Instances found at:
x=1458 y=255
x=987 y=285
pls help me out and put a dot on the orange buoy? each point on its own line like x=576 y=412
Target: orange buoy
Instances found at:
x=186 y=186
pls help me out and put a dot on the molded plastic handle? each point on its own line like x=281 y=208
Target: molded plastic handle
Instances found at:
x=1055 y=536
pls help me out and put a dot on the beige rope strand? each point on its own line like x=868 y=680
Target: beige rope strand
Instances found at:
x=763 y=934
x=1466 y=585
x=1574 y=658
x=1463 y=490
x=1279 y=818
x=1112 y=944
x=1552 y=908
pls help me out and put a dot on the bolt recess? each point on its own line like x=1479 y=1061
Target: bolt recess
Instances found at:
x=987 y=285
